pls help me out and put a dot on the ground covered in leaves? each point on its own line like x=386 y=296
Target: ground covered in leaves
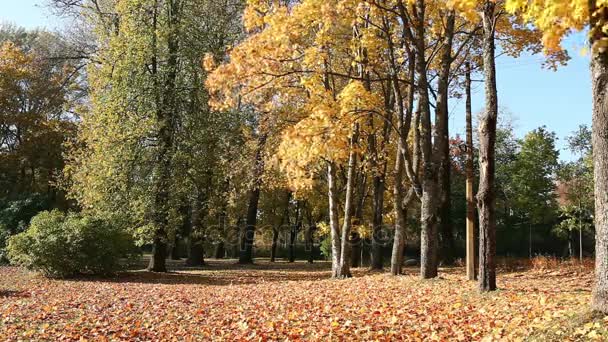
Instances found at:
x=223 y=301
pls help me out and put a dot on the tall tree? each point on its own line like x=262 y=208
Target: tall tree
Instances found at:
x=486 y=197
x=470 y=179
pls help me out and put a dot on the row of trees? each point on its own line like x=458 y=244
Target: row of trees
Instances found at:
x=325 y=116
x=353 y=77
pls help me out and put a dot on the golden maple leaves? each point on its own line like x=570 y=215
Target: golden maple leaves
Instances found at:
x=557 y=18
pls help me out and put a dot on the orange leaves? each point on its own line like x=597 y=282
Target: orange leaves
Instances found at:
x=295 y=302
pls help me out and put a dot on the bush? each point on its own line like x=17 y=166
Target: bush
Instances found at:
x=15 y=216
x=60 y=245
x=326 y=248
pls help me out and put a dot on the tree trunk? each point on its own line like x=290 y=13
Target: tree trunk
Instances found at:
x=400 y=215
x=378 y=238
x=442 y=144
x=165 y=120
x=294 y=233
x=196 y=253
x=430 y=203
x=195 y=241
x=470 y=234
x=175 y=250
x=404 y=116
x=486 y=196
x=246 y=255
x=333 y=219
x=159 y=254
x=599 y=81
x=220 y=250
x=310 y=241
x=355 y=242
x=344 y=270
x=273 y=248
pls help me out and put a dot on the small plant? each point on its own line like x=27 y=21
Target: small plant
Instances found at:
x=64 y=245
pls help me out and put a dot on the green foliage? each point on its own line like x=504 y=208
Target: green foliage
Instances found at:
x=573 y=218
x=15 y=216
x=325 y=247
x=63 y=245
x=576 y=186
x=533 y=176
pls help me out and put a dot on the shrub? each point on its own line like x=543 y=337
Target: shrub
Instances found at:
x=15 y=216
x=326 y=248
x=60 y=245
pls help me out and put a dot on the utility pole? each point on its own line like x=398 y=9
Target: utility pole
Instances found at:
x=470 y=235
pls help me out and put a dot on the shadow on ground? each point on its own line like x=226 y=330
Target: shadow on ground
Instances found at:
x=225 y=272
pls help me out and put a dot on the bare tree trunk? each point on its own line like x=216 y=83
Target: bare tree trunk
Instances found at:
x=470 y=234
x=486 y=197
x=273 y=248
x=246 y=255
x=293 y=234
x=401 y=201
x=344 y=270
x=441 y=144
x=430 y=203
x=404 y=116
x=310 y=241
x=196 y=251
x=377 y=221
x=356 y=243
x=599 y=81
x=333 y=219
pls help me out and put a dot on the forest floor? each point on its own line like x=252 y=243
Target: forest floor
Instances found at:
x=281 y=301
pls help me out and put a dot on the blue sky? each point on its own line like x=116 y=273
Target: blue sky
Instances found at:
x=561 y=99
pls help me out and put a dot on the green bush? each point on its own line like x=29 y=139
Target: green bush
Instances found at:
x=60 y=245
x=15 y=216
x=326 y=248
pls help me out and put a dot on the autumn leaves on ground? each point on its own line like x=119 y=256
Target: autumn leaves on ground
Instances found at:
x=224 y=301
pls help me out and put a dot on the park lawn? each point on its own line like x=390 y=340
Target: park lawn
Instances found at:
x=281 y=301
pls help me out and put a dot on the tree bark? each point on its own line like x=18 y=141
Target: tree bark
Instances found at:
x=344 y=269
x=442 y=144
x=430 y=203
x=470 y=233
x=273 y=247
x=196 y=250
x=310 y=241
x=400 y=210
x=404 y=116
x=378 y=240
x=293 y=234
x=333 y=219
x=355 y=242
x=599 y=86
x=486 y=196
x=246 y=255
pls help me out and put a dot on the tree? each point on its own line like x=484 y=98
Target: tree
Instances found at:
x=140 y=149
x=470 y=180
x=533 y=179
x=37 y=95
x=556 y=21
x=575 y=189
